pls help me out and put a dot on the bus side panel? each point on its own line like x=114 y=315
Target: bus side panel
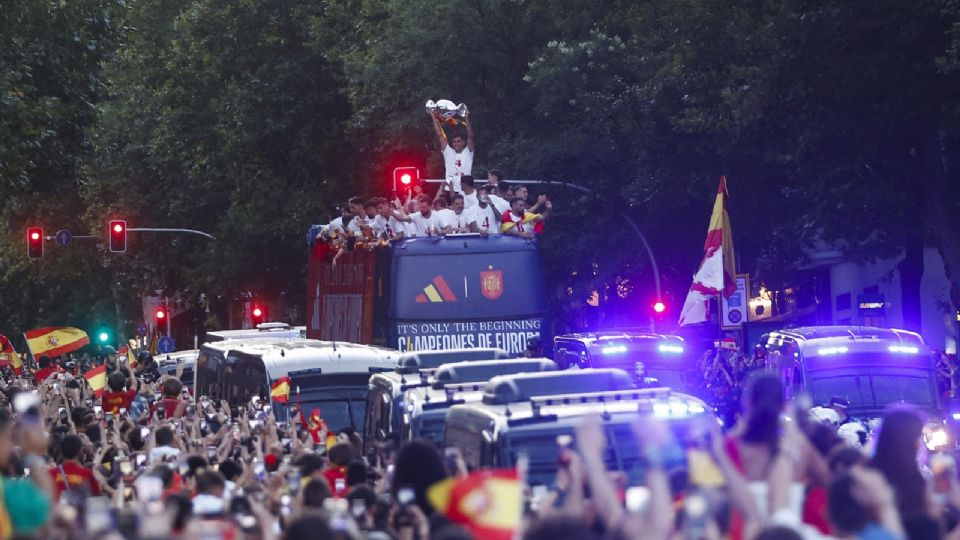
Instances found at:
x=340 y=299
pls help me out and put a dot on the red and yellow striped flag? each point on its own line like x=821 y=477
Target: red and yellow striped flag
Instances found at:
x=97 y=379
x=55 y=340
x=488 y=502
x=9 y=354
x=280 y=390
x=717 y=272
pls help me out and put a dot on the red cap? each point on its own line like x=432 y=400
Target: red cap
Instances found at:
x=270 y=462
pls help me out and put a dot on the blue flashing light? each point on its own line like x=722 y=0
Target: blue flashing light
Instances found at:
x=674 y=349
x=904 y=349
x=661 y=410
x=614 y=349
x=827 y=351
x=955 y=416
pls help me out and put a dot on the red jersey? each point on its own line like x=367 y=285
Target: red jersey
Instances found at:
x=112 y=402
x=43 y=373
x=169 y=405
x=78 y=477
x=333 y=474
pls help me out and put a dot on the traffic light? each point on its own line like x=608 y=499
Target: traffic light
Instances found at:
x=161 y=317
x=659 y=307
x=404 y=178
x=258 y=314
x=35 y=242
x=118 y=236
x=103 y=337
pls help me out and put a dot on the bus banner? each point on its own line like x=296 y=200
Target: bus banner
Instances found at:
x=509 y=335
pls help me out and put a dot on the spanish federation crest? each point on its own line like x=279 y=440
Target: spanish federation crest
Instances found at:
x=53 y=341
x=491 y=283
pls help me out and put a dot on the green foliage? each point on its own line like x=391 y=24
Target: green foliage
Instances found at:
x=834 y=122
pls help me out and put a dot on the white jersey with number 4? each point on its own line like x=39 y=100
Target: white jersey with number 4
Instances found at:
x=457 y=165
x=423 y=224
x=485 y=219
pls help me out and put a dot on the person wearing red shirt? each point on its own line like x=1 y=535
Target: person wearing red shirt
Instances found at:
x=47 y=368
x=118 y=397
x=340 y=455
x=70 y=475
x=171 y=404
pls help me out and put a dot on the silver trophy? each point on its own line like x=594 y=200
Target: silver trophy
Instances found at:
x=447 y=109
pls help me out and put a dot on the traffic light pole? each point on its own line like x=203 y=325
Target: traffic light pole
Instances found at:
x=578 y=187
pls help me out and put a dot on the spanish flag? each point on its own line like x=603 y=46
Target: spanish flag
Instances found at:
x=280 y=390
x=507 y=224
x=131 y=359
x=9 y=355
x=315 y=425
x=717 y=272
x=489 y=502
x=97 y=379
x=55 y=340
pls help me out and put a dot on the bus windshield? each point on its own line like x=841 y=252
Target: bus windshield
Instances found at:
x=341 y=398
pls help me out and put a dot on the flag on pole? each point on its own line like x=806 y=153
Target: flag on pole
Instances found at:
x=488 y=502
x=97 y=379
x=315 y=425
x=131 y=358
x=717 y=271
x=280 y=390
x=53 y=341
x=9 y=355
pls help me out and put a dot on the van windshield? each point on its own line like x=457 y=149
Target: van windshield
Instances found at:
x=869 y=392
x=341 y=397
x=621 y=454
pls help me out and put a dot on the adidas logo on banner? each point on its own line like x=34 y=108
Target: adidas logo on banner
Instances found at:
x=437 y=291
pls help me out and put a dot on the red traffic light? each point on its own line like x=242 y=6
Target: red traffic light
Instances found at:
x=659 y=307
x=405 y=177
x=258 y=314
x=161 y=314
x=118 y=235
x=35 y=242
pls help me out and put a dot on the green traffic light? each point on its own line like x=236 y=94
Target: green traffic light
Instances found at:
x=104 y=336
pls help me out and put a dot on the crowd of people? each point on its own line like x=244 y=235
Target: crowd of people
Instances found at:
x=460 y=205
x=150 y=460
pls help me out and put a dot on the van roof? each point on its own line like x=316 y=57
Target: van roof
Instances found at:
x=631 y=338
x=411 y=362
x=280 y=357
x=264 y=330
x=523 y=386
x=662 y=403
x=461 y=372
x=855 y=333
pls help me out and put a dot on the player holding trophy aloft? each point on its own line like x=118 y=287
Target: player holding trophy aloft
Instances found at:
x=458 y=154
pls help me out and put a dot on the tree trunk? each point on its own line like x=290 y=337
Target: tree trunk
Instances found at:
x=911 y=272
x=941 y=208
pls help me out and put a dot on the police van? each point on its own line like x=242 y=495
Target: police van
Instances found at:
x=425 y=406
x=653 y=359
x=383 y=412
x=329 y=376
x=869 y=367
x=525 y=414
x=167 y=365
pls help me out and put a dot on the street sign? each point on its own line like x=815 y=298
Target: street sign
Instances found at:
x=734 y=309
x=142 y=330
x=165 y=345
x=63 y=237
